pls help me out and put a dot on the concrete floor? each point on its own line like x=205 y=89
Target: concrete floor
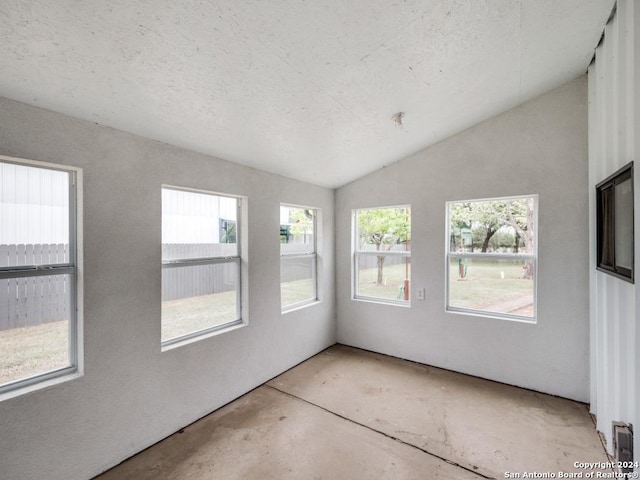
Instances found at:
x=351 y=414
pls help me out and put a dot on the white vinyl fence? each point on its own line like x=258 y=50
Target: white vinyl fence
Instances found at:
x=29 y=301
x=193 y=280
x=371 y=261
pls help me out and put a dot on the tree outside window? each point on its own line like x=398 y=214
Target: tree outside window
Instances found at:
x=382 y=258
x=492 y=256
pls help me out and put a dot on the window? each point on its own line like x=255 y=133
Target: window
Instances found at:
x=298 y=269
x=614 y=198
x=38 y=273
x=382 y=254
x=492 y=257
x=227 y=231
x=200 y=263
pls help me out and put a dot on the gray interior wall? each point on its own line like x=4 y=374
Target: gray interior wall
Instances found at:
x=540 y=147
x=132 y=394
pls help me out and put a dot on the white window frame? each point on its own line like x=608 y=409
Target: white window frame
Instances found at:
x=70 y=268
x=356 y=252
x=186 y=262
x=314 y=262
x=496 y=256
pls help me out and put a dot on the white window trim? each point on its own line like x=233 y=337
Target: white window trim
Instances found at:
x=314 y=255
x=72 y=268
x=185 y=339
x=355 y=252
x=510 y=256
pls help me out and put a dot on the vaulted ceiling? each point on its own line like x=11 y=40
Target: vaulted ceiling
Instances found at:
x=305 y=89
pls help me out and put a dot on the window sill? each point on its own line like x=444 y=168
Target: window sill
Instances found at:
x=299 y=306
x=56 y=378
x=494 y=316
x=382 y=301
x=196 y=337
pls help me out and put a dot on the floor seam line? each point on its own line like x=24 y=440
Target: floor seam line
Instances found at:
x=399 y=440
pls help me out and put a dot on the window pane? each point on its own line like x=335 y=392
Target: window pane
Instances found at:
x=492 y=226
x=605 y=225
x=503 y=286
x=198 y=225
x=198 y=297
x=297 y=279
x=624 y=224
x=34 y=325
x=493 y=280
x=297 y=230
x=384 y=277
x=384 y=230
x=34 y=215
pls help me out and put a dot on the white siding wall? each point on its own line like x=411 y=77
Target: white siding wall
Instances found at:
x=614 y=140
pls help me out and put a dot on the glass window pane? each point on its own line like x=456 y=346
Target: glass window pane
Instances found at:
x=34 y=325
x=198 y=297
x=297 y=230
x=198 y=225
x=34 y=214
x=624 y=224
x=492 y=226
x=384 y=277
x=606 y=227
x=503 y=286
x=383 y=228
x=297 y=279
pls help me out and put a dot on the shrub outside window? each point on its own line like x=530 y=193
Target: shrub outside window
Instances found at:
x=298 y=257
x=200 y=263
x=382 y=254
x=38 y=273
x=492 y=257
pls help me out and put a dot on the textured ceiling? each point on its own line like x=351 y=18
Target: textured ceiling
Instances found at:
x=306 y=89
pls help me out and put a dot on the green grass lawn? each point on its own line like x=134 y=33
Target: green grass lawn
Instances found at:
x=489 y=285
x=493 y=285
x=296 y=291
x=392 y=280
x=192 y=314
x=28 y=351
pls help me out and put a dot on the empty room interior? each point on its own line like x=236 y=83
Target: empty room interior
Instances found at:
x=319 y=239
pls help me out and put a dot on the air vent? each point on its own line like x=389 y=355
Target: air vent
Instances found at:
x=623 y=446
